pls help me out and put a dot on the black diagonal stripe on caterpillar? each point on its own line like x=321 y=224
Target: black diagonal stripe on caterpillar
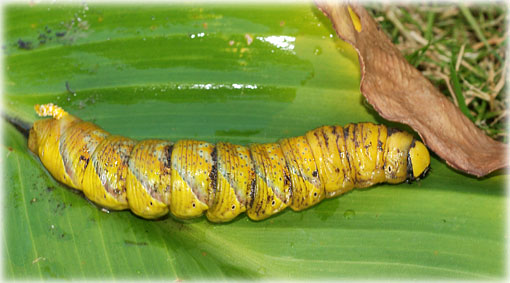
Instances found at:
x=189 y=178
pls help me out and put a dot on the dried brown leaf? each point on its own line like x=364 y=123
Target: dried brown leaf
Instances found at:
x=399 y=92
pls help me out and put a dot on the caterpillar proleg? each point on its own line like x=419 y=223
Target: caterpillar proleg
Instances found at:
x=190 y=178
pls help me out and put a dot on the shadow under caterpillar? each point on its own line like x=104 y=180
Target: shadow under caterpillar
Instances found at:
x=188 y=177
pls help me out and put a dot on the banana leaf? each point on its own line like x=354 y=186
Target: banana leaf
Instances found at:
x=250 y=73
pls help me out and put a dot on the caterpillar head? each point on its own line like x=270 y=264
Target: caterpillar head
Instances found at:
x=406 y=159
x=418 y=161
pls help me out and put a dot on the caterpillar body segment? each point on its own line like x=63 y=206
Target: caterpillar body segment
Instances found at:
x=148 y=180
x=271 y=187
x=364 y=147
x=76 y=148
x=192 y=177
x=307 y=188
x=234 y=175
x=330 y=156
x=105 y=178
x=396 y=157
x=44 y=140
x=189 y=178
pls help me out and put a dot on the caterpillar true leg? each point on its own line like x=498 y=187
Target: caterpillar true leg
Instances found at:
x=188 y=178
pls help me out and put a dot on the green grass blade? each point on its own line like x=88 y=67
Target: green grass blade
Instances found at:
x=478 y=31
x=457 y=88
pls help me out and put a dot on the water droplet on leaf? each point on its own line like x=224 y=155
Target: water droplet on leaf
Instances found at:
x=349 y=214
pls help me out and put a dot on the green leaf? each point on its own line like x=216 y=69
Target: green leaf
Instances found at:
x=239 y=73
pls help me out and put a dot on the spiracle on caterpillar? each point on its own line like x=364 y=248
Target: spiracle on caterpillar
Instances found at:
x=189 y=178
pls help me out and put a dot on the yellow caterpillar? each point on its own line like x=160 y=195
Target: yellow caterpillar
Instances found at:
x=189 y=178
